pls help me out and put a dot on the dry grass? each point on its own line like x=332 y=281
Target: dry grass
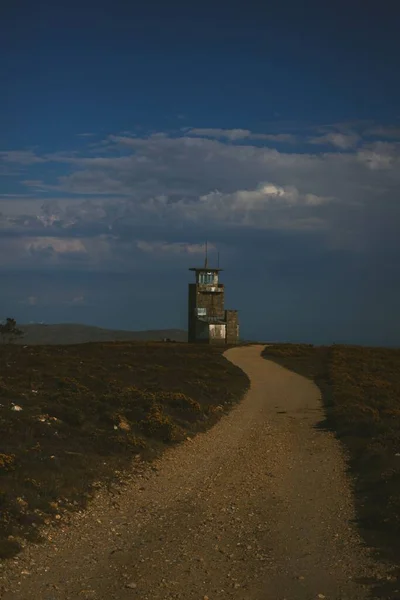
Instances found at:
x=361 y=391
x=87 y=410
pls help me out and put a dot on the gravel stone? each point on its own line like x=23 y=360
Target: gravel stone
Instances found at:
x=236 y=513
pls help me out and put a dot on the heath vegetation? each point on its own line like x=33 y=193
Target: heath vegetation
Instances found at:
x=361 y=392
x=73 y=416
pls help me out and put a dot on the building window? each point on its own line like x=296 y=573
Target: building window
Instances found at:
x=206 y=278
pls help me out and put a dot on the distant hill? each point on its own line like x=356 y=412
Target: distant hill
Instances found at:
x=71 y=333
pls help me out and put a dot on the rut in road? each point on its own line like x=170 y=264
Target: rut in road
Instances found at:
x=257 y=508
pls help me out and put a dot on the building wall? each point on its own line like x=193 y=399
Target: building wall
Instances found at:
x=191 y=316
x=202 y=331
x=232 y=326
x=217 y=333
x=213 y=302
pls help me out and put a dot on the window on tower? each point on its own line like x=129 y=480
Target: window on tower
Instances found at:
x=206 y=278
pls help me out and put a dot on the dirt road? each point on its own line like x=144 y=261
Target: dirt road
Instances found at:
x=257 y=508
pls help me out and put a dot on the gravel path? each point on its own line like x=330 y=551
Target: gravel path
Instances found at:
x=257 y=508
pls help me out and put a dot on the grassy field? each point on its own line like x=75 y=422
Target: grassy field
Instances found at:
x=361 y=391
x=74 y=416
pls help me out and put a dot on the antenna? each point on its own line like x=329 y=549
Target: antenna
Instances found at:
x=218 y=260
x=206 y=261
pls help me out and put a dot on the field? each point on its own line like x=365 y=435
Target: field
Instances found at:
x=73 y=418
x=361 y=391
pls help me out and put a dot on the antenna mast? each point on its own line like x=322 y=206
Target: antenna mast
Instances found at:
x=206 y=261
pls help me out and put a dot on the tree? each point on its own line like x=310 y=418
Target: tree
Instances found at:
x=9 y=331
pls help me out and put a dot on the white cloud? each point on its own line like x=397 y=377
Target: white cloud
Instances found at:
x=275 y=137
x=185 y=165
x=305 y=227
x=375 y=160
x=53 y=245
x=230 y=134
x=195 y=182
x=343 y=141
x=5 y=196
x=263 y=196
x=267 y=207
x=381 y=156
x=21 y=157
x=36 y=184
x=239 y=134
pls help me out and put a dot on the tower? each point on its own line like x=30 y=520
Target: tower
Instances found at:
x=208 y=321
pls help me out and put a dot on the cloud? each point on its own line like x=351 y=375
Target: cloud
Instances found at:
x=239 y=134
x=343 y=141
x=21 y=157
x=312 y=229
x=30 y=301
x=276 y=137
x=43 y=301
x=380 y=156
x=59 y=246
x=265 y=194
x=176 y=166
x=230 y=134
x=52 y=249
x=75 y=301
x=16 y=195
x=36 y=184
x=116 y=203
x=267 y=207
x=161 y=248
x=381 y=131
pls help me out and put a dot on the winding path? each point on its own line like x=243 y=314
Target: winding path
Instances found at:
x=257 y=508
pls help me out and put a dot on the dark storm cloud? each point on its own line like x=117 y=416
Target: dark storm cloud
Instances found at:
x=310 y=233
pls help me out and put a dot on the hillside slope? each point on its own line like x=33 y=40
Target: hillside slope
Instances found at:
x=71 y=333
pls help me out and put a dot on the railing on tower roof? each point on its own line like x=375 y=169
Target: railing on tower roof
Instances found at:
x=206 y=266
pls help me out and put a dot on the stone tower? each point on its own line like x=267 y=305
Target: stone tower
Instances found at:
x=208 y=320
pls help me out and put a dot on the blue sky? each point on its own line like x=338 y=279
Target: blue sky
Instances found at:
x=130 y=134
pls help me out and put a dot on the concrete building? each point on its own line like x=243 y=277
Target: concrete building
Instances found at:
x=208 y=320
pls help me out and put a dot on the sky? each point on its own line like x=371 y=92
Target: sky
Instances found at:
x=131 y=133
